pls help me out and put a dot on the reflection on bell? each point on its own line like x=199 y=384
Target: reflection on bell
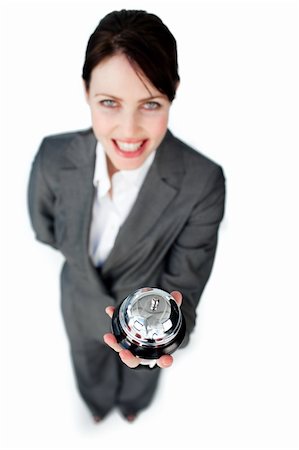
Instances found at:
x=149 y=323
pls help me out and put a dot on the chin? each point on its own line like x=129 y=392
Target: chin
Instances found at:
x=130 y=165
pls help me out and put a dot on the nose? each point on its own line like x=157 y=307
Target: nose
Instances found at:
x=129 y=125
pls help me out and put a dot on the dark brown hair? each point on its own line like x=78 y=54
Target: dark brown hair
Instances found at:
x=144 y=39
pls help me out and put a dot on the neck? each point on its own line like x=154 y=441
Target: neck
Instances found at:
x=111 y=168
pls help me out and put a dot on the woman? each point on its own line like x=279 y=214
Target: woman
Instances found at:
x=128 y=204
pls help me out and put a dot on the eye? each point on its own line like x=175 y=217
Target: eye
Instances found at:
x=108 y=103
x=152 y=106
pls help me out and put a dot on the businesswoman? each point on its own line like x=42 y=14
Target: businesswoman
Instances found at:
x=127 y=203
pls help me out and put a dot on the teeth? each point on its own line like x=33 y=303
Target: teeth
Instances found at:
x=129 y=146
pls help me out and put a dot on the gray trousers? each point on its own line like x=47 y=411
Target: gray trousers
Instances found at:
x=104 y=381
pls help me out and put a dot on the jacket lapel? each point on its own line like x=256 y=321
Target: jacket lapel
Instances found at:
x=77 y=193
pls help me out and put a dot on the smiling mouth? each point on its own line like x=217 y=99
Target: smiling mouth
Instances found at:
x=129 y=149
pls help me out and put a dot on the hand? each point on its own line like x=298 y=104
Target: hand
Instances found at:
x=125 y=355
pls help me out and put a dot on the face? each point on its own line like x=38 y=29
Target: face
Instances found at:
x=129 y=115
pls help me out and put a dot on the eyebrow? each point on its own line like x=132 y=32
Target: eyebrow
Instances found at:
x=120 y=100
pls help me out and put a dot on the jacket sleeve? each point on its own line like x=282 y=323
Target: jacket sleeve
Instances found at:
x=190 y=260
x=41 y=201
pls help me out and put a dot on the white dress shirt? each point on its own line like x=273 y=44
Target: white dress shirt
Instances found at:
x=108 y=212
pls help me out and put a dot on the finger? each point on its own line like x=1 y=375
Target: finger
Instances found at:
x=129 y=359
x=177 y=296
x=110 y=310
x=165 y=361
x=110 y=340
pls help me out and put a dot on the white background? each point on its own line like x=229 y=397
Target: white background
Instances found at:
x=236 y=385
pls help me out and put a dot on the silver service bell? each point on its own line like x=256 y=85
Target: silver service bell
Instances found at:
x=149 y=323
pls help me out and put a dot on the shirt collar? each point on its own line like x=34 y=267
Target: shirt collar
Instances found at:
x=134 y=177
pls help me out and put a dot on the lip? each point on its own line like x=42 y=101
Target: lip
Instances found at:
x=129 y=141
x=130 y=155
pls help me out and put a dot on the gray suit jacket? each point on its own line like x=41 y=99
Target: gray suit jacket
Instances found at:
x=168 y=240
